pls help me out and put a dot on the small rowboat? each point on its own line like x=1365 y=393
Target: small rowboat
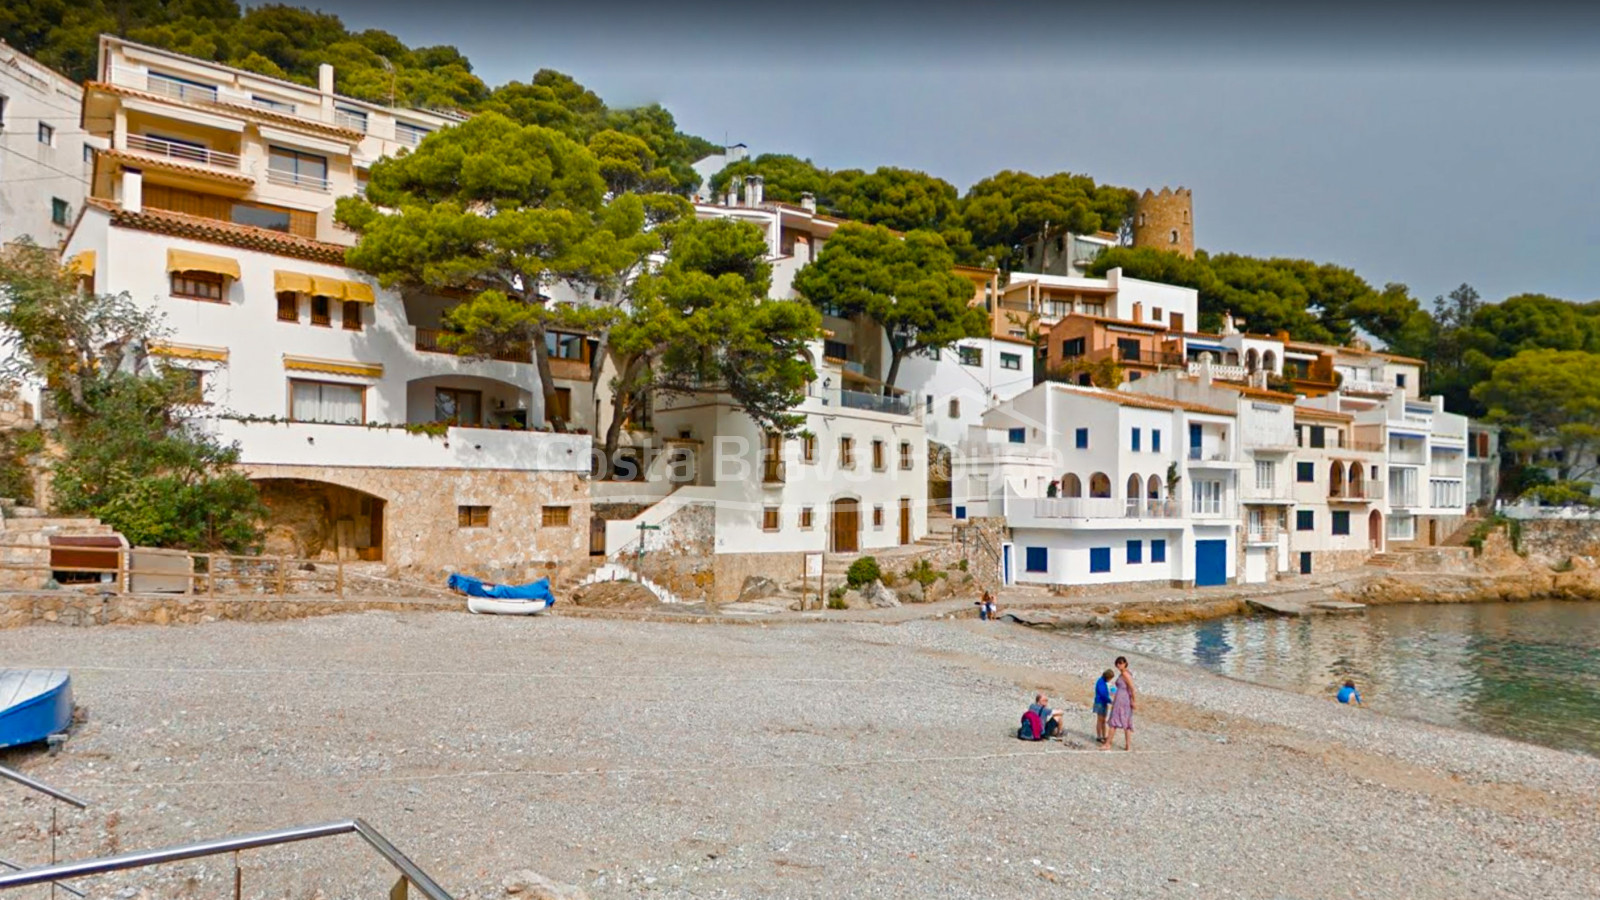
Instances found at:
x=504 y=599
x=34 y=704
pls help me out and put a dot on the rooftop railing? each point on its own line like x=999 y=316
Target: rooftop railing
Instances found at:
x=299 y=180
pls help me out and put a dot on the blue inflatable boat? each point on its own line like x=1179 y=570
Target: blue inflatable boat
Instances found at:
x=504 y=599
x=34 y=704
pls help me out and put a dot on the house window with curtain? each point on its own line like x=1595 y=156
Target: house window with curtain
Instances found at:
x=322 y=401
x=197 y=286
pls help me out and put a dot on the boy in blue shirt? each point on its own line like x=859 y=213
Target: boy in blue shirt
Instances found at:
x=1102 y=704
x=1349 y=693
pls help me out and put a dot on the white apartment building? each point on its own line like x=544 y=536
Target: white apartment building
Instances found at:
x=958 y=385
x=1145 y=488
x=45 y=154
x=213 y=204
x=1483 y=464
x=1339 y=491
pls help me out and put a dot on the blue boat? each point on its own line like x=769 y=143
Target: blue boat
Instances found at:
x=34 y=704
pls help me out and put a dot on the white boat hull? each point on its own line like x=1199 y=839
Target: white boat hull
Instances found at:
x=494 y=606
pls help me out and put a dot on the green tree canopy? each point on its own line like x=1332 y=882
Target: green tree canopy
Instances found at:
x=703 y=321
x=129 y=458
x=501 y=211
x=907 y=287
x=1007 y=208
x=1549 y=403
x=785 y=177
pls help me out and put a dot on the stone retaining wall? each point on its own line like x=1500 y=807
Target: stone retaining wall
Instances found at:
x=1557 y=540
x=81 y=609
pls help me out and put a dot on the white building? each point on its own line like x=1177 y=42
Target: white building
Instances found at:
x=1339 y=491
x=1483 y=464
x=1145 y=487
x=708 y=166
x=45 y=155
x=213 y=204
x=958 y=385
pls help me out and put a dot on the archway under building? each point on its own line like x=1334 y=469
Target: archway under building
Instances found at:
x=1375 y=531
x=308 y=519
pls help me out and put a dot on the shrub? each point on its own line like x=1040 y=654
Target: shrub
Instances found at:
x=962 y=565
x=863 y=571
x=922 y=572
x=836 y=598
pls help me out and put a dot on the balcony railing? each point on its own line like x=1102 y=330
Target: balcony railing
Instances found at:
x=428 y=342
x=350 y=120
x=1365 y=386
x=899 y=406
x=183 y=152
x=296 y=179
x=180 y=90
x=1104 y=508
x=1366 y=490
x=1212 y=454
x=1223 y=371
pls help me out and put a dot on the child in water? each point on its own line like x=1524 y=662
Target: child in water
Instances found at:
x=1349 y=693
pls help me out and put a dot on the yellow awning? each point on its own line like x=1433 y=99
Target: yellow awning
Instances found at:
x=189 y=351
x=322 y=286
x=81 y=264
x=333 y=366
x=290 y=282
x=190 y=261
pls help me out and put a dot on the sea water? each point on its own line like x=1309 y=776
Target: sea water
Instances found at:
x=1529 y=671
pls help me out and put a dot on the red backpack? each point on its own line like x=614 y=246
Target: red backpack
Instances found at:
x=1032 y=728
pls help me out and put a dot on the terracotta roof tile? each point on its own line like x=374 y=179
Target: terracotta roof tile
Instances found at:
x=1311 y=412
x=247 y=237
x=158 y=162
x=1143 y=401
x=251 y=112
x=1263 y=393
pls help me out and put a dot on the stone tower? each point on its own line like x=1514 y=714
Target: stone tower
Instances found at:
x=1165 y=221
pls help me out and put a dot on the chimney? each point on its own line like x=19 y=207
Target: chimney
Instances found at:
x=1138 y=312
x=761 y=189
x=748 y=186
x=325 y=79
x=733 y=193
x=808 y=201
x=132 y=190
x=1227 y=324
x=1205 y=372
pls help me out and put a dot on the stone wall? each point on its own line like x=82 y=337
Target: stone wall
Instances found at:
x=1554 y=541
x=84 y=609
x=679 y=556
x=1333 y=560
x=421 y=533
x=731 y=569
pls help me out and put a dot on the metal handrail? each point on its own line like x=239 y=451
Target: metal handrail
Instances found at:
x=41 y=787
x=65 y=887
x=140 y=859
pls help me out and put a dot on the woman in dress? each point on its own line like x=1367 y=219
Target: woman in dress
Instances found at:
x=1122 y=706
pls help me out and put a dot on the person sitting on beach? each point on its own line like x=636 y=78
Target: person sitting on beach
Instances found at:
x=1040 y=721
x=985 y=604
x=1349 y=693
x=1103 y=690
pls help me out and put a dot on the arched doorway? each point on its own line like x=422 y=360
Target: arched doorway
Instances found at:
x=319 y=520
x=1269 y=361
x=1251 y=360
x=1335 y=479
x=1071 y=485
x=1153 y=493
x=1375 y=531
x=844 y=526
x=1357 y=479
x=1099 y=485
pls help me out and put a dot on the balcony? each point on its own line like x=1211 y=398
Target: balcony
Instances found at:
x=352 y=121
x=773 y=471
x=1097 y=508
x=177 y=89
x=1220 y=371
x=298 y=180
x=895 y=406
x=428 y=342
x=391 y=446
x=1365 y=386
x=186 y=153
x=1136 y=357
x=1356 y=493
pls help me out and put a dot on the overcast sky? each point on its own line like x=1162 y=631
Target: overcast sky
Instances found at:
x=1427 y=144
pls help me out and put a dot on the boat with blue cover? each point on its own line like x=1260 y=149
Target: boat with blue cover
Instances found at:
x=504 y=599
x=34 y=704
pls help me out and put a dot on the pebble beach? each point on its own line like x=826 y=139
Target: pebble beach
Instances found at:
x=630 y=758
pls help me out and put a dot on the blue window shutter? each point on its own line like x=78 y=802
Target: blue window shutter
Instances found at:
x=1038 y=559
x=1155 y=440
x=1099 y=559
x=1135 y=552
x=1018 y=435
x=1136 y=440
x=1158 y=550
x=1305 y=520
x=1082 y=438
x=961 y=512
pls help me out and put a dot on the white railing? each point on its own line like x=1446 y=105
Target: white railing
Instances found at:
x=1366 y=386
x=350 y=121
x=179 y=90
x=295 y=179
x=282 y=106
x=183 y=152
x=1219 y=370
x=411 y=136
x=1097 y=508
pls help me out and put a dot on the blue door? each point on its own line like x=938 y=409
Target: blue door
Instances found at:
x=1194 y=440
x=1005 y=556
x=1210 y=563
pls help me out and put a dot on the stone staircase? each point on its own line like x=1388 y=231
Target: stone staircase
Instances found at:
x=1443 y=559
x=617 y=572
x=940 y=534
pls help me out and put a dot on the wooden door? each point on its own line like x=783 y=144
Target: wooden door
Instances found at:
x=905 y=521
x=597 y=536
x=846 y=526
